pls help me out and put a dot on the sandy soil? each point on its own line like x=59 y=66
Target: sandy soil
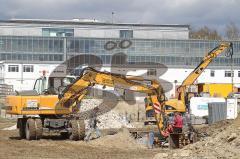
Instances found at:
x=220 y=140
x=114 y=146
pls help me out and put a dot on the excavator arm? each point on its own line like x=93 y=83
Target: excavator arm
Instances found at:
x=75 y=92
x=192 y=77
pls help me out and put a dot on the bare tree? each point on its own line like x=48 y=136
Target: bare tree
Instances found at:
x=232 y=32
x=205 y=33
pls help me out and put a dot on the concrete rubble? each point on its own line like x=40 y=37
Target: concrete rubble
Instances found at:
x=110 y=119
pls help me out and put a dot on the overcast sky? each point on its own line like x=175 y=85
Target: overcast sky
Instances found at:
x=213 y=13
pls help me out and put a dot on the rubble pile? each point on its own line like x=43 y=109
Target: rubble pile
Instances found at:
x=113 y=120
x=108 y=119
x=223 y=142
x=88 y=104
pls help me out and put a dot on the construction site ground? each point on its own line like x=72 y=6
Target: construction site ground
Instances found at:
x=111 y=146
x=220 y=140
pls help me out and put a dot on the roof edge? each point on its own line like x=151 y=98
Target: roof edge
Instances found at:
x=73 y=22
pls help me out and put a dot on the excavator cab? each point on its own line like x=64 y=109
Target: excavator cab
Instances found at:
x=40 y=85
x=52 y=85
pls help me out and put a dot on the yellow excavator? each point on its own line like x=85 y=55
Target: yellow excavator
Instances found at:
x=51 y=112
x=179 y=104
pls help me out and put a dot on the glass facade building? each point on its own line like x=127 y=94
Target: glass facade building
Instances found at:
x=173 y=53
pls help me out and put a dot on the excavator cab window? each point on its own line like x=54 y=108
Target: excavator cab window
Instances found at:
x=57 y=84
x=52 y=85
x=40 y=85
x=168 y=107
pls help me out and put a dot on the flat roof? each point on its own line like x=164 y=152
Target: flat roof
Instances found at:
x=85 y=22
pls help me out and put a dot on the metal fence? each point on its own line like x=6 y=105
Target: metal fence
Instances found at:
x=216 y=112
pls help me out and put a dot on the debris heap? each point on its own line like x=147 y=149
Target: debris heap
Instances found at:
x=122 y=139
x=108 y=117
x=223 y=142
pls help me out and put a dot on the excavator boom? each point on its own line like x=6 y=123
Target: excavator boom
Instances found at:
x=193 y=76
x=89 y=77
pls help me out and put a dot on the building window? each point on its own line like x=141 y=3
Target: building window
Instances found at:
x=126 y=34
x=229 y=74
x=152 y=72
x=27 y=68
x=212 y=73
x=58 y=32
x=13 y=68
x=238 y=73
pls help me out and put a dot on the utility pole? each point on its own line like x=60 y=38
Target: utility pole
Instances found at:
x=232 y=73
x=112 y=17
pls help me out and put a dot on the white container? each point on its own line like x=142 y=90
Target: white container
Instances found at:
x=199 y=105
x=232 y=106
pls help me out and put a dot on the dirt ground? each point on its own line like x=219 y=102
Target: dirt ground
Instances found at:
x=218 y=141
x=56 y=147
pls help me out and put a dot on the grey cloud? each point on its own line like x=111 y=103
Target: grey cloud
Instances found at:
x=215 y=13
